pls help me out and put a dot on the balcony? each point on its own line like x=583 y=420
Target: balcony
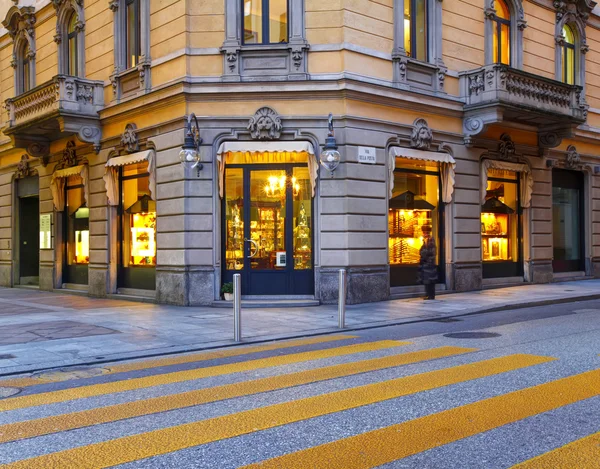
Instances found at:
x=61 y=107
x=497 y=93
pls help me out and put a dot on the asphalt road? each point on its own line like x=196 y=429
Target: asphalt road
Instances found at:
x=523 y=390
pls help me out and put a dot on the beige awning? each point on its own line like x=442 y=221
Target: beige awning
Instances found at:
x=57 y=184
x=251 y=149
x=111 y=173
x=447 y=166
x=526 y=186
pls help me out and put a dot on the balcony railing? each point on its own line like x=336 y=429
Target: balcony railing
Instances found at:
x=62 y=95
x=530 y=94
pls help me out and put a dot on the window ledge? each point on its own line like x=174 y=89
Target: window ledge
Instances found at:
x=410 y=73
x=134 y=80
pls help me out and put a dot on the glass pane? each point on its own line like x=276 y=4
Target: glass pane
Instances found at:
x=505 y=43
x=420 y=25
x=501 y=173
x=565 y=224
x=301 y=191
x=139 y=222
x=499 y=222
x=569 y=67
x=407 y=45
x=495 y=41
x=234 y=218
x=26 y=75
x=267 y=219
x=133 y=32
x=278 y=19
x=253 y=22
x=78 y=236
x=502 y=10
x=568 y=34
x=413 y=215
x=72 y=66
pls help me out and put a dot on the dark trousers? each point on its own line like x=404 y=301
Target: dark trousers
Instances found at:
x=430 y=291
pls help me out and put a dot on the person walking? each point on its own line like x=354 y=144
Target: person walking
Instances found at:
x=427 y=274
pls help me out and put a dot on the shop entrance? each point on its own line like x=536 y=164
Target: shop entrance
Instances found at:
x=76 y=231
x=567 y=221
x=267 y=228
x=28 y=231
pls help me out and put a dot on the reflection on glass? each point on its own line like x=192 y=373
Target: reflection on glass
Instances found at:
x=415 y=27
x=566 y=224
x=133 y=32
x=267 y=219
x=72 y=45
x=501 y=34
x=301 y=191
x=234 y=218
x=139 y=217
x=413 y=213
x=256 y=31
x=568 y=47
x=499 y=218
x=78 y=223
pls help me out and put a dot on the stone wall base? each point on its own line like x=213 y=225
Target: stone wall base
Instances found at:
x=98 y=282
x=364 y=285
x=539 y=271
x=467 y=277
x=46 y=278
x=185 y=286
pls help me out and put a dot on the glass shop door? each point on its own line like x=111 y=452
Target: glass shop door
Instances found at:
x=268 y=229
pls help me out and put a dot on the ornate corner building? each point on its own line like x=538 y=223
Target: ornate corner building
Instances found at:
x=477 y=126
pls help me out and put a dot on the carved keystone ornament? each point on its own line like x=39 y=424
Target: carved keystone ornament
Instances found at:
x=506 y=147
x=129 y=139
x=572 y=159
x=23 y=167
x=421 y=136
x=265 y=124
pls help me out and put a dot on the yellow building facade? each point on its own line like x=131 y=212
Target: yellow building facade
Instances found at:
x=475 y=122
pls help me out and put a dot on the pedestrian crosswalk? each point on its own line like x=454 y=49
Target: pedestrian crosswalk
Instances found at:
x=339 y=374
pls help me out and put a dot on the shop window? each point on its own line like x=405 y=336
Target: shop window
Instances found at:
x=501 y=33
x=265 y=21
x=500 y=217
x=138 y=229
x=415 y=29
x=78 y=223
x=302 y=210
x=413 y=211
x=234 y=219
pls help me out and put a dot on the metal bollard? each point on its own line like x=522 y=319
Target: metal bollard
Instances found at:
x=237 y=307
x=342 y=300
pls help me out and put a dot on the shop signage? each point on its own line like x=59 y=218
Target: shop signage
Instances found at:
x=46 y=231
x=367 y=155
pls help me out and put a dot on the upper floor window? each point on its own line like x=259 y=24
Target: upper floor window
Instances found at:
x=24 y=71
x=72 y=65
x=70 y=37
x=501 y=42
x=568 y=55
x=20 y=23
x=415 y=29
x=133 y=33
x=265 y=21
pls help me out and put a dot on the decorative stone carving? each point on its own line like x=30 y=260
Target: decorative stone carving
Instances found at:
x=421 y=136
x=23 y=167
x=572 y=160
x=129 y=139
x=297 y=54
x=90 y=134
x=231 y=57
x=20 y=23
x=476 y=84
x=85 y=93
x=69 y=156
x=549 y=139
x=265 y=124
x=441 y=76
x=506 y=147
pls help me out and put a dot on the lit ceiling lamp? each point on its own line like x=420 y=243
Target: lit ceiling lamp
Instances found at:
x=330 y=157
x=189 y=156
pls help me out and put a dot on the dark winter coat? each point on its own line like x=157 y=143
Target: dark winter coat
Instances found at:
x=427 y=265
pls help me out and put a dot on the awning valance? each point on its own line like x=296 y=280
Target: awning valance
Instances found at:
x=447 y=166
x=57 y=184
x=267 y=152
x=526 y=185
x=111 y=173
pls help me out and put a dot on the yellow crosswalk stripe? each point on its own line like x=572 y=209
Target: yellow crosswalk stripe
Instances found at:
x=59 y=423
x=179 y=376
x=135 y=447
x=383 y=446
x=196 y=357
x=580 y=454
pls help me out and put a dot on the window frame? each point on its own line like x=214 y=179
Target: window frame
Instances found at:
x=137 y=34
x=66 y=12
x=579 y=47
x=72 y=68
x=498 y=23
x=413 y=30
x=265 y=25
x=516 y=26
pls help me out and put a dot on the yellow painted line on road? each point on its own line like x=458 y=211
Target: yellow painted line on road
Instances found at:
x=60 y=423
x=182 y=359
x=188 y=375
x=167 y=440
x=583 y=453
x=395 y=442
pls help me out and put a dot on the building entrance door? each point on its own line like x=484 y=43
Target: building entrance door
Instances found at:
x=267 y=229
x=29 y=240
x=567 y=221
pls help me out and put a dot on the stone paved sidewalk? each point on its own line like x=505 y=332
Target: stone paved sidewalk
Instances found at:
x=40 y=330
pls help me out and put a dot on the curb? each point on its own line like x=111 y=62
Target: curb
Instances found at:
x=315 y=333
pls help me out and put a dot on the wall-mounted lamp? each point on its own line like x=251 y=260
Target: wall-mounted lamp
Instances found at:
x=330 y=157
x=189 y=156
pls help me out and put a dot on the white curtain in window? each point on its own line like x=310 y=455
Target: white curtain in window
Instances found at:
x=253 y=152
x=526 y=181
x=111 y=173
x=447 y=167
x=57 y=184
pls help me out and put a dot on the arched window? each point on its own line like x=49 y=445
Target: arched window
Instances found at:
x=568 y=55
x=25 y=72
x=501 y=42
x=133 y=33
x=72 y=62
x=415 y=29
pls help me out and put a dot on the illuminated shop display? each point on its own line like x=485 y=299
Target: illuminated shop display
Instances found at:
x=78 y=223
x=143 y=244
x=81 y=224
x=499 y=218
